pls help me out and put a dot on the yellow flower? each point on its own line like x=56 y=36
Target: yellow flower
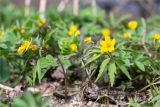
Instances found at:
x=106 y=32
x=88 y=40
x=46 y=46
x=73 y=47
x=34 y=47
x=22 y=30
x=77 y=33
x=41 y=22
x=24 y=47
x=132 y=25
x=127 y=35
x=156 y=36
x=107 y=45
x=13 y=26
x=73 y=30
x=1 y=34
x=94 y=54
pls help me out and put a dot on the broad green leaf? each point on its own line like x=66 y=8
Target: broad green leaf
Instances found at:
x=112 y=72
x=102 y=68
x=92 y=59
x=123 y=69
x=4 y=69
x=65 y=61
x=29 y=99
x=140 y=65
x=44 y=64
x=47 y=61
x=18 y=102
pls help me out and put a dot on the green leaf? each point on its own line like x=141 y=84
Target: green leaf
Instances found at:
x=102 y=68
x=4 y=69
x=112 y=72
x=140 y=65
x=65 y=61
x=44 y=64
x=29 y=99
x=18 y=102
x=92 y=59
x=123 y=69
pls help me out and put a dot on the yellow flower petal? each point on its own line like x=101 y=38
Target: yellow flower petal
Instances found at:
x=127 y=35
x=46 y=46
x=72 y=30
x=41 y=22
x=24 y=47
x=1 y=34
x=34 y=47
x=22 y=30
x=73 y=47
x=156 y=36
x=77 y=33
x=106 y=32
x=88 y=40
x=132 y=25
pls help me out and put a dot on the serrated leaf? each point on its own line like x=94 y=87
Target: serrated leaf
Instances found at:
x=92 y=59
x=140 y=65
x=65 y=61
x=102 y=68
x=112 y=72
x=123 y=69
x=44 y=64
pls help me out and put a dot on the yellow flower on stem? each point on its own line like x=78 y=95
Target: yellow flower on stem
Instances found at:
x=73 y=47
x=77 y=33
x=88 y=40
x=73 y=30
x=132 y=25
x=156 y=36
x=106 y=32
x=22 y=30
x=13 y=26
x=95 y=54
x=41 y=22
x=1 y=34
x=46 y=46
x=34 y=47
x=24 y=47
x=127 y=35
x=107 y=45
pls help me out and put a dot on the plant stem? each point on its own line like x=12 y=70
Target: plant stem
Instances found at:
x=65 y=77
x=143 y=38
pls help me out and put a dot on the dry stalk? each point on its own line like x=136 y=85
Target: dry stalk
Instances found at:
x=75 y=7
x=62 y=5
x=65 y=78
x=42 y=8
x=143 y=38
x=27 y=7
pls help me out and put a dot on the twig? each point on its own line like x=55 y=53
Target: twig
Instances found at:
x=6 y=87
x=65 y=77
x=143 y=38
x=86 y=71
x=148 y=86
